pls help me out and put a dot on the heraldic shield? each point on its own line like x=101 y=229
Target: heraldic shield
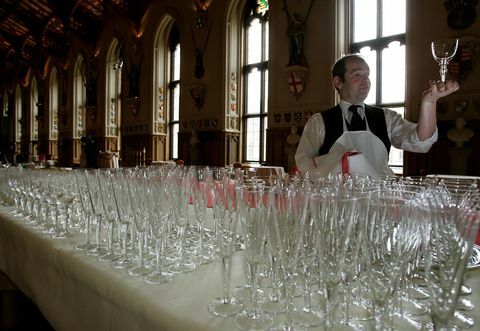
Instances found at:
x=297 y=78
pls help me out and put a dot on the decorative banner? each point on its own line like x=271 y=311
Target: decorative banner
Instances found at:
x=298 y=117
x=233 y=92
x=297 y=79
x=277 y=117
x=462 y=63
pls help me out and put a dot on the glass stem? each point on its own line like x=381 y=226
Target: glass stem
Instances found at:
x=252 y=266
x=226 y=268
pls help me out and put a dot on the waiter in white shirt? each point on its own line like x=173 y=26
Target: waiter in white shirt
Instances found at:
x=366 y=126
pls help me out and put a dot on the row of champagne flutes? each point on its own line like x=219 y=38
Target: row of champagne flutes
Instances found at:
x=353 y=247
x=371 y=247
x=159 y=210
x=166 y=206
x=44 y=200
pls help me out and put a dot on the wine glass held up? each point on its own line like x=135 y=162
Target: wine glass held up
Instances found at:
x=443 y=52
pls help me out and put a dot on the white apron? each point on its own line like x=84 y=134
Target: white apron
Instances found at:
x=359 y=152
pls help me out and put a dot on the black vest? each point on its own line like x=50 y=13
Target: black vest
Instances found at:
x=334 y=126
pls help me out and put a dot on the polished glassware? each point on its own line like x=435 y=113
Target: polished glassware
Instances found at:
x=86 y=206
x=139 y=188
x=98 y=209
x=124 y=215
x=110 y=213
x=286 y=225
x=443 y=51
x=333 y=210
x=226 y=216
x=181 y=190
x=253 y=203
x=201 y=177
x=449 y=234
x=391 y=237
x=64 y=191
x=161 y=213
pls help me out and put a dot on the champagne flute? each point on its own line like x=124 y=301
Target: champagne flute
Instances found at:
x=253 y=203
x=443 y=51
x=287 y=214
x=181 y=192
x=448 y=237
x=223 y=200
x=161 y=205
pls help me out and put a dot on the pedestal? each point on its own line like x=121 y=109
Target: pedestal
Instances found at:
x=459 y=160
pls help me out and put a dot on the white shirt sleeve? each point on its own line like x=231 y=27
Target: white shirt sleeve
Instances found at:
x=403 y=134
x=312 y=139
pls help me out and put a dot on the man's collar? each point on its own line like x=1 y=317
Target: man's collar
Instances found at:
x=345 y=104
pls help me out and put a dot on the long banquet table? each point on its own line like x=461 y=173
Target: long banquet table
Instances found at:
x=74 y=291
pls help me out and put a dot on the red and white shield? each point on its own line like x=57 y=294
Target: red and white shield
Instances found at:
x=296 y=76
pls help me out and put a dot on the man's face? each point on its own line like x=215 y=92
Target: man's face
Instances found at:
x=356 y=86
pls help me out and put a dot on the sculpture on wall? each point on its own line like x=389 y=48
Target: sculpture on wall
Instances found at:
x=295 y=33
x=297 y=67
x=133 y=69
x=468 y=52
x=133 y=76
x=460 y=134
x=197 y=92
x=62 y=110
x=199 y=53
x=91 y=87
x=200 y=22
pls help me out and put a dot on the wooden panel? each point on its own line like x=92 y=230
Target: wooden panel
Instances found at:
x=232 y=147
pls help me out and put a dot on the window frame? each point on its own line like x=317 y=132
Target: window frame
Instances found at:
x=54 y=100
x=173 y=42
x=250 y=14
x=379 y=44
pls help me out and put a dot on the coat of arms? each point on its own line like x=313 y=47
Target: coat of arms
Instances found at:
x=297 y=78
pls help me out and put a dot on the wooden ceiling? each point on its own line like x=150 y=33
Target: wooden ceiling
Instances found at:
x=32 y=31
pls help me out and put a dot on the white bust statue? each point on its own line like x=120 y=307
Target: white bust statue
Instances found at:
x=460 y=134
x=293 y=138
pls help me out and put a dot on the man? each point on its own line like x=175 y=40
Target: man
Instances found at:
x=350 y=77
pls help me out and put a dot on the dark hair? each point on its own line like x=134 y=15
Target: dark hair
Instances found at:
x=338 y=68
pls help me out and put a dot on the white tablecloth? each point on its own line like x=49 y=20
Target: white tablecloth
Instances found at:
x=76 y=292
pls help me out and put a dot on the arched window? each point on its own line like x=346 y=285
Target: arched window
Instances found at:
x=79 y=99
x=18 y=115
x=114 y=88
x=173 y=89
x=166 y=90
x=378 y=33
x=54 y=102
x=255 y=80
x=33 y=110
